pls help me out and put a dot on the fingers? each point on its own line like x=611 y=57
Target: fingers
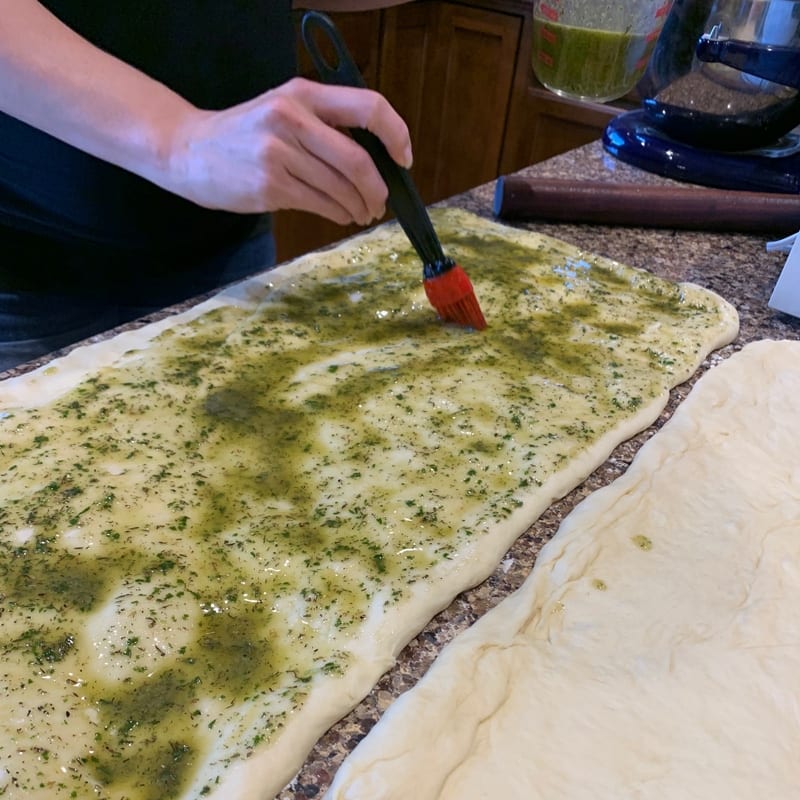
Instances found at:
x=346 y=107
x=312 y=114
x=338 y=166
x=299 y=180
x=303 y=147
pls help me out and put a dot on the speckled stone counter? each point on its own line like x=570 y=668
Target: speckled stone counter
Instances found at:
x=735 y=266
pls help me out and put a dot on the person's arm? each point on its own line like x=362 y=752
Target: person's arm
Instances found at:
x=279 y=150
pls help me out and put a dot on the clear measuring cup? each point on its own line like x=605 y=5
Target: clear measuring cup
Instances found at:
x=594 y=49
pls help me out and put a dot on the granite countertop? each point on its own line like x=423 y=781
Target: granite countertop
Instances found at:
x=736 y=266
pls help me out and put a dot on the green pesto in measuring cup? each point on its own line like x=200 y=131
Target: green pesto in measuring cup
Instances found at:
x=588 y=63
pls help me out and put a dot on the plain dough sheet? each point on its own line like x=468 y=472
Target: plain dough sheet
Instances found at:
x=654 y=651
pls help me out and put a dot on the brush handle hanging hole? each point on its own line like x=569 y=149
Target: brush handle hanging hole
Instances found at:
x=315 y=28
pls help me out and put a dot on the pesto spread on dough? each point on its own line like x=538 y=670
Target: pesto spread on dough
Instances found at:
x=192 y=539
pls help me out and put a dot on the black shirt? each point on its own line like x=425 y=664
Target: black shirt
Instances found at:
x=215 y=53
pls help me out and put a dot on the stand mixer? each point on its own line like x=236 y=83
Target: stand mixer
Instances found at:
x=724 y=112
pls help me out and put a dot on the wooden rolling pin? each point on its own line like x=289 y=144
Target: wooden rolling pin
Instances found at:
x=647 y=206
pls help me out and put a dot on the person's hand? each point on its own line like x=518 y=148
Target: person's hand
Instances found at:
x=286 y=150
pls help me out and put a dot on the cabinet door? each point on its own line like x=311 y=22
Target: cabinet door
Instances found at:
x=545 y=125
x=448 y=70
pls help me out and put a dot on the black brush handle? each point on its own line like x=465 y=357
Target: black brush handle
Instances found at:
x=404 y=199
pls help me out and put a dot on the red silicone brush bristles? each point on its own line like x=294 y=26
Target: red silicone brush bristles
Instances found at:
x=453 y=297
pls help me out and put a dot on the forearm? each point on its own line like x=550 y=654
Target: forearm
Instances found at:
x=58 y=82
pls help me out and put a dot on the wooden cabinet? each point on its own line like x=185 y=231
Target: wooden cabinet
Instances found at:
x=460 y=75
x=544 y=125
x=448 y=69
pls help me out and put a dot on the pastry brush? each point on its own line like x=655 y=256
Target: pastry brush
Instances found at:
x=446 y=285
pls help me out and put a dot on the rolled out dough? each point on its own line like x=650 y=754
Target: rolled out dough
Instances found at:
x=654 y=652
x=217 y=532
